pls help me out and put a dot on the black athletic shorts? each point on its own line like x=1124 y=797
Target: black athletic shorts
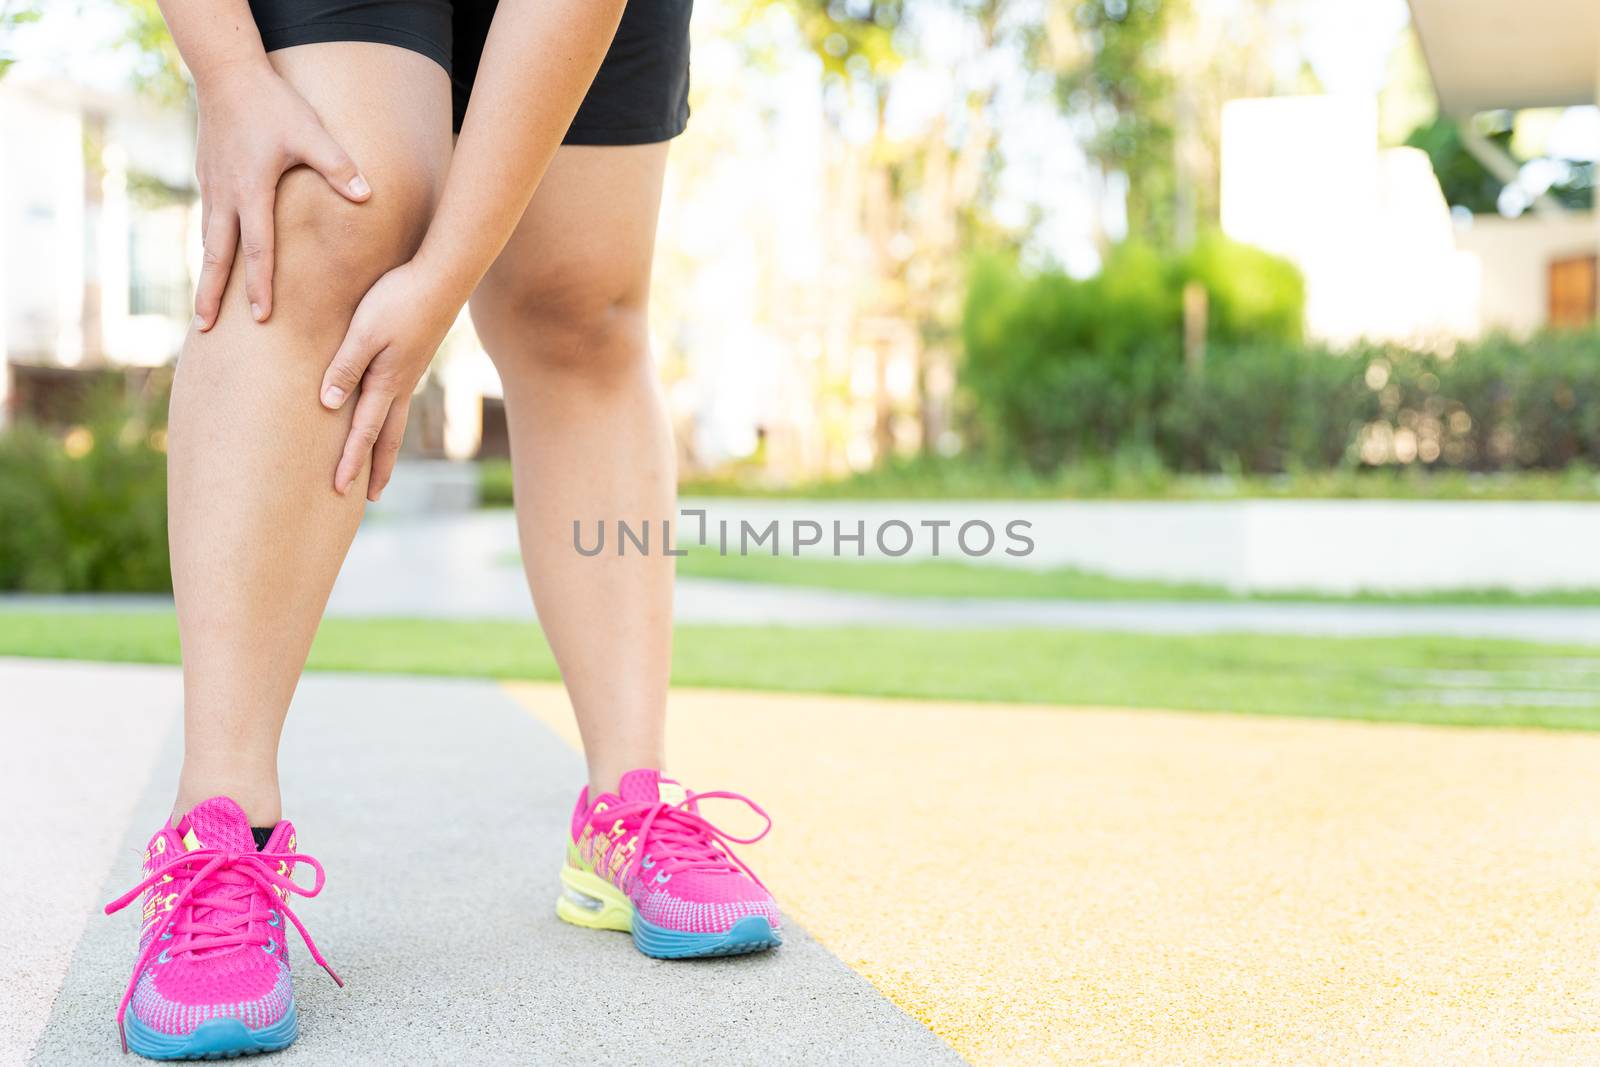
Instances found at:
x=640 y=95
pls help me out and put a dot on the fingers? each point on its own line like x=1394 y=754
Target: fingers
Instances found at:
x=322 y=154
x=372 y=408
x=357 y=350
x=387 y=448
x=221 y=238
x=256 y=236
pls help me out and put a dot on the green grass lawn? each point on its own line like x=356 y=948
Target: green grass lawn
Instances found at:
x=972 y=479
x=1429 y=680
x=960 y=478
x=945 y=578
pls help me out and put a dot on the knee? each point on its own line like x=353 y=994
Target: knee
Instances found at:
x=330 y=250
x=575 y=325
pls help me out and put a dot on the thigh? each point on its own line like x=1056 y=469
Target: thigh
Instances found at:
x=585 y=244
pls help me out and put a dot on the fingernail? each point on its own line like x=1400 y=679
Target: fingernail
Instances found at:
x=199 y=322
x=333 y=396
x=257 y=313
x=359 y=186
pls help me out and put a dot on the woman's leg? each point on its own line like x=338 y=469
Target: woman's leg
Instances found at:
x=562 y=313
x=257 y=531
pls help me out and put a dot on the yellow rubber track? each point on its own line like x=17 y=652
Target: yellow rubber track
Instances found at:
x=1103 y=886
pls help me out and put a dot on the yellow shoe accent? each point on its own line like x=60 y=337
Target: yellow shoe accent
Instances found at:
x=589 y=900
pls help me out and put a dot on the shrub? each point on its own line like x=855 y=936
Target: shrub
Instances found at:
x=1494 y=405
x=1059 y=368
x=1265 y=409
x=85 y=511
x=1062 y=370
x=494 y=483
x=1252 y=295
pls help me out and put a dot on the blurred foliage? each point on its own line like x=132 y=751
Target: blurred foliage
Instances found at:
x=921 y=196
x=1407 y=100
x=159 y=70
x=1122 y=83
x=86 y=510
x=1064 y=372
x=14 y=13
x=1263 y=408
x=1251 y=293
x=1468 y=183
x=1498 y=404
x=495 y=483
x=972 y=476
x=1060 y=368
x=852 y=38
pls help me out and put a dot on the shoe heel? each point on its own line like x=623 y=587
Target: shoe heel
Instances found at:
x=590 y=901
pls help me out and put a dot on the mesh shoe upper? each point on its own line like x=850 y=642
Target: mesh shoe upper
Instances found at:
x=212 y=939
x=650 y=840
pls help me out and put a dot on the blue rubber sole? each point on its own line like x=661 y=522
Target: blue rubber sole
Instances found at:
x=214 y=1039
x=750 y=934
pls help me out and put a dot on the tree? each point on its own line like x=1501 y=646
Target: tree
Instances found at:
x=13 y=13
x=1467 y=183
x=1113 y=73
x=159 y=71
x=922 y=196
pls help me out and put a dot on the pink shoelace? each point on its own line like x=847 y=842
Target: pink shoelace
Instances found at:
x=676 y=837
x=216 y=909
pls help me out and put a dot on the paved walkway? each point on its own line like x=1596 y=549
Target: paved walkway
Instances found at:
x=438 y=808
x=1034 y=884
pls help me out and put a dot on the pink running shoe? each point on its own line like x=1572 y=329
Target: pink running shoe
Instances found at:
x=644 y=860
x=212 y=978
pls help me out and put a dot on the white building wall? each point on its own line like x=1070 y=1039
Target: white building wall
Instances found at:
x=1514 y=257
x=1262 y=546
x=53 y=243
x=41 y=229
x=1303 y=177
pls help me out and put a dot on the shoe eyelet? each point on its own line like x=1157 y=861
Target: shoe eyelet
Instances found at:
x=271 y=947
x=662 y=877
x=274 y=920
x=647 y=863
x=167 y=936
x=163 y=958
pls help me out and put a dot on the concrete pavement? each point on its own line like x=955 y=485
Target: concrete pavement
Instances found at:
x=438 y=809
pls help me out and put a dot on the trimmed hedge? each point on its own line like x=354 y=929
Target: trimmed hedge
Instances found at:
x=1063 y=372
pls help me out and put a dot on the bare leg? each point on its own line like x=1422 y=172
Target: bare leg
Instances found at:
x=563 y=314
x=257 y=531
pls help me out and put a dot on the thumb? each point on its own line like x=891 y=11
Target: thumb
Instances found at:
x=319 y=151
x=349 y=364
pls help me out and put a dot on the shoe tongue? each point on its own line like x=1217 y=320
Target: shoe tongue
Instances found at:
x=650 y=786
x=217 y=823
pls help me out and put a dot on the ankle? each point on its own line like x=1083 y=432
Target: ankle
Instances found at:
x=607 y=777
x=259 y=798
